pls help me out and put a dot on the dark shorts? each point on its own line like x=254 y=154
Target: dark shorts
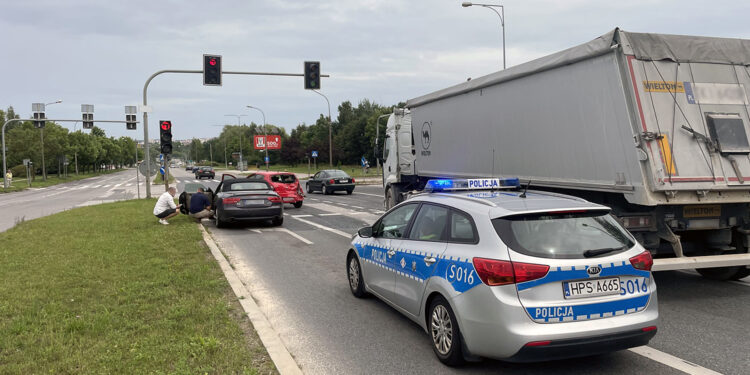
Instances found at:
x=166 y=213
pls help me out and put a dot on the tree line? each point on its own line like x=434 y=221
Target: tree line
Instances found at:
x=81 y=151
x=353 y=136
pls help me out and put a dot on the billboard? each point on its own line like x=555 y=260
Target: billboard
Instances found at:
x=274 y=142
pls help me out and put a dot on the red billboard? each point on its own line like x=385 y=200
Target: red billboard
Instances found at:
x=274 y=142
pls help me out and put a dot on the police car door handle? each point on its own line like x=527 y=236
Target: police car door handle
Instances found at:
x=429 y=260
x=391 y=253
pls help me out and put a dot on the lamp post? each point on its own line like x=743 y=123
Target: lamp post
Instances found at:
x=238 y=124
x=265 y=136
x=41 y=135
x=500 y=14
x=330 y=143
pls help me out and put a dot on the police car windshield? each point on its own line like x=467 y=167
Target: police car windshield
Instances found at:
x=563 y=234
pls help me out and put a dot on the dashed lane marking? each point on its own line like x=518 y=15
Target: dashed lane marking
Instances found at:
x=672 y=361
x=331 y=214
x=372 y=195
x=323 y=227
x=357 y=207
x=302 y=216
x=295 y=235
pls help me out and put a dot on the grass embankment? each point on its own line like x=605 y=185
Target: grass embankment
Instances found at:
x=159 y=179
x=20 y=182
x=107 y=289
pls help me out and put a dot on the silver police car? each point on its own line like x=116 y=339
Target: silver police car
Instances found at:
x=508 y=274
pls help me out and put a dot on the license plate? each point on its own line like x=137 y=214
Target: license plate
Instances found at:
x=712 y=210
x=343 y=181
x=252 y=202
x=591 y=288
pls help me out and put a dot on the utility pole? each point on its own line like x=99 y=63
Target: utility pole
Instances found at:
x=330 y=143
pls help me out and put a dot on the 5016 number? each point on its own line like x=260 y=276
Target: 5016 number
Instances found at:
x=460 y=274
x=633 y=286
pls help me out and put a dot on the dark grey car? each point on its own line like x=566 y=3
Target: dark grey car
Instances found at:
x=244 y=199
x=329 y=181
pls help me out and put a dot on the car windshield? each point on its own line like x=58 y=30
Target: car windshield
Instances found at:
x=337 y=174
x=254 y=185
x=284 y=178
x=564 y=234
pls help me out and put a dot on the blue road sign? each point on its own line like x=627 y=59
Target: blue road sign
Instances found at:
x=363 y=161
x=315 y=154
x=267 y=159
x=161 y=170
x=161 y=157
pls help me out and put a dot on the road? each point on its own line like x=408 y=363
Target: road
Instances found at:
x=297 y=275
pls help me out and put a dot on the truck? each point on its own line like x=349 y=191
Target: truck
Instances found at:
x=654 y=126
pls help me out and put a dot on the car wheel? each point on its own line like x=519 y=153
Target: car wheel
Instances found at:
x=309 y=188
x=349 y=191
x=354 y=271
x=298 y=204
x=219 y=223
x=444 y=332
x=326 y=191
x=277 y=221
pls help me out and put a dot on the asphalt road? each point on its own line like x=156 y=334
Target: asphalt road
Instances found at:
x=297 y=275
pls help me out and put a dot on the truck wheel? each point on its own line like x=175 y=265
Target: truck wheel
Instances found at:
x=723 y=273
x=391 y=196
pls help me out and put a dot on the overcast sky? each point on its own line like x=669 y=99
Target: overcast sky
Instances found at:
x=102 y=52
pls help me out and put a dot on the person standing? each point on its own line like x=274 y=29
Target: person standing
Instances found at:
x=9 y=177
x=200 y=206
x=165 y=207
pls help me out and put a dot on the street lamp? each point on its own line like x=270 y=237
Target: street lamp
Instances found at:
x=330 y=143
x=238 y=124
x=41 y=135
x=265 y=137
x=500 y=14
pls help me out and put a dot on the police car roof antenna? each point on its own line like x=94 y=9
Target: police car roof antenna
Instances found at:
x=523 y=195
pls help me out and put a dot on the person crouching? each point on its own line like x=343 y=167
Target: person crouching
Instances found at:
x=200 y=206
x=165 y=207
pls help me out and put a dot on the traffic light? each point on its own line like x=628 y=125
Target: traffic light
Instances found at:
x=211 y=70
x=130 y=122
x=88 y=120
x=165 y=131
x=312 y=75
x=39 y=120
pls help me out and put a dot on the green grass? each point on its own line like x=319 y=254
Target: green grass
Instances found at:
x=20 y=182
x=107 y=289
x=159 y=179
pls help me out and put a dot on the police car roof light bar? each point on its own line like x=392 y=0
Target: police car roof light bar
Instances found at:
x=472 y=184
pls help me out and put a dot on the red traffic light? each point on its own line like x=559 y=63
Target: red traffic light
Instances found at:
x=166 y=125
x=212 y=61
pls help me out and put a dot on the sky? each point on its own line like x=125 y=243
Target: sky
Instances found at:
x=386 y=51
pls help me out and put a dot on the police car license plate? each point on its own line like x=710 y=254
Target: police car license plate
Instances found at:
x=591 y=288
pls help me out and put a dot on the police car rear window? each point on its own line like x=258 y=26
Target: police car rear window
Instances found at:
x=564 y=234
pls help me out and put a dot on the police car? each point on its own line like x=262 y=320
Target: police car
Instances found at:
x=490 y=270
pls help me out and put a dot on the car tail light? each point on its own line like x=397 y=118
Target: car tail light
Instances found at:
x=632 y=222
x=501 y=272
x=642 y=261
x=231 y=201
x=353 y=180
x=538 y=343
x=274 y=199
x=331 y=181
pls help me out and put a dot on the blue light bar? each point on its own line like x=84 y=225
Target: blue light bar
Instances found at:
x=472 y=184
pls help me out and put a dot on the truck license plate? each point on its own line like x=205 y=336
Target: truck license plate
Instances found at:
x=591 y=288
x=711 y=210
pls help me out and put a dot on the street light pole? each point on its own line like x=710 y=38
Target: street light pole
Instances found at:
x=500 y=14
x=330 y=143
x=265 y=136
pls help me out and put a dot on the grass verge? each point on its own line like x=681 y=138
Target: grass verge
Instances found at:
x=106 y=289
x=20 y=183
x=159 y=179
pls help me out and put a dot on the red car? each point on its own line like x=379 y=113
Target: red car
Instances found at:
x=285 y=184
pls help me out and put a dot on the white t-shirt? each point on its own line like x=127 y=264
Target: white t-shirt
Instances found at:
x=165 y=202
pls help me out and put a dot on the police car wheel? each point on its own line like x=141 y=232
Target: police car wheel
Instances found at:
x=443 y=328
x=353 y=270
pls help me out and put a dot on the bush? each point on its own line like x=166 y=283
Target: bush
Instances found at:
x=19 y=171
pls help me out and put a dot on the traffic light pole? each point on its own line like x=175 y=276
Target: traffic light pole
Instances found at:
x=147 y=159
x=5 y=166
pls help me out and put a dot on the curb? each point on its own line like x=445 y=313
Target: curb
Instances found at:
x=279 y=353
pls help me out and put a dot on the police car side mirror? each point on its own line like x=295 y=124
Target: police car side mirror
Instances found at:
x=365 y=232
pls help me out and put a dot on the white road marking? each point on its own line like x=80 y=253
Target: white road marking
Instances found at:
x=314 y=199
x=256 y=231
x=672 y=361
x=94 y=187
x=327 y=202
x=128 y=184
x=301 y=215
x=372 y=195
x=105 y=186
x=331 y=214
x=118 y=185
x=357 y=207
x=215 y=180
x=332 y=230
x=295 y=235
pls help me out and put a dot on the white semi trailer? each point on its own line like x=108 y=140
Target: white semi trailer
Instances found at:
x=655 y=126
